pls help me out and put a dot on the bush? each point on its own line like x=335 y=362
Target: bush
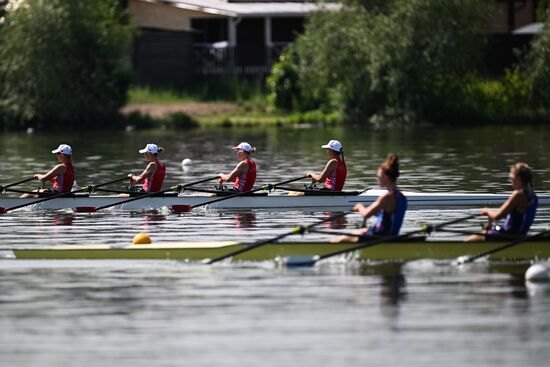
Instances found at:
x=538 y=66
x=180 y=120
x=177 y=120
x=385 y=58
x=64 y=63
x=282 y=83
x=140 y=120
x=495 y=100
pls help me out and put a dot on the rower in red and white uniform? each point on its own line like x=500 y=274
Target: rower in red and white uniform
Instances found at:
x=244 y=175
x=62 y=175
x=152 y=176
x=334 y=174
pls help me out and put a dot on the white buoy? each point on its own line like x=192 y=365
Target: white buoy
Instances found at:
x=30 y=130
x=537 y=273
x=186 y=162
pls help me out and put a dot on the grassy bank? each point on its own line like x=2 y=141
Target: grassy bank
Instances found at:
x=171 y=108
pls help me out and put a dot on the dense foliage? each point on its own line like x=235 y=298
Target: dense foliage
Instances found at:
x=64 y=63
x=404 y=59
x=538 y=66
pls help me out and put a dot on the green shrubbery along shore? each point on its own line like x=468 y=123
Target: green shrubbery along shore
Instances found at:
x=63 y=64
x=66 y=64
x=409 y=61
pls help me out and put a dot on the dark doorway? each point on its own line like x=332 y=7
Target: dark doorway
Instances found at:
x=251 y=42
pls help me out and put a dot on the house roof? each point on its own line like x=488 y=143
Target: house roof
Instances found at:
x=249 y=8
x=532 y=28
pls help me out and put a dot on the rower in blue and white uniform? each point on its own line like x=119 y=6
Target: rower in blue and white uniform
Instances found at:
x=518 y=211
x=389 y=208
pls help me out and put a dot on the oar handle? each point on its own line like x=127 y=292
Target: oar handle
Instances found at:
x=173 y=188
x=432 y=228
x=46 y=199
x=295 y=230
x=504 y=247
x=247 y=248
x=3 y=188
x=63 y=194
x=423 y=229
x=303 y=229
x=370 y=244
x=263 y=187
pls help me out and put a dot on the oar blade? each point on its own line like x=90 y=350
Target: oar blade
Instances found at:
x=181 y=208
x=85 y=209
x=296 y=261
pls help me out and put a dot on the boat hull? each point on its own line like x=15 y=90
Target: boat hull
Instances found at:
x=325 y=202
x=391 y=251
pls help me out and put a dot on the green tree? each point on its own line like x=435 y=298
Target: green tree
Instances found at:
x=542 y=7
x=64 y=63
x=421 y=48
x=538 y=66
x=397 y=58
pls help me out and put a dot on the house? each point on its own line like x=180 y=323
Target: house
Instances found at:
x=179 y=38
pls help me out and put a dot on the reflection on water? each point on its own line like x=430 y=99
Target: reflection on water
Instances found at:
x=165 y=313
x=244 y=220
x=153 y=219
x=340 y=221
x=62 y=219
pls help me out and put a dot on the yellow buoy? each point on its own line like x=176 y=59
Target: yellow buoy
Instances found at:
x=141 y=238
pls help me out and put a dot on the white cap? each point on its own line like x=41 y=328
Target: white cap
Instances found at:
x=150 y=148
x=63 y=149
x=334 y=145
x=244 y=146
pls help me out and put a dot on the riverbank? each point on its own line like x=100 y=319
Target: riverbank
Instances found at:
x=224 y=114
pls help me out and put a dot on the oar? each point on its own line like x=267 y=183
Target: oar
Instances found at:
x=3 y=188
x=466 y=260
x=268 y=187
x=92 y=209
x=295 y=230
x=88 y=188
x=423 y=229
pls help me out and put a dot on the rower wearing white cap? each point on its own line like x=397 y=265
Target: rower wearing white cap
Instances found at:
x=62 y=175
x=152 y=176
x=334 y=174
x=244 y=175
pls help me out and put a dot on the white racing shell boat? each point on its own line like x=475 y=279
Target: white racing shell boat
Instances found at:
x=317 y=200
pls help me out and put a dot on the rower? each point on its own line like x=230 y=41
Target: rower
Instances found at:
x=152 y=176
x=244 y=174
x=519 y=209
x=62 y=175
x=334 y=174
x=390 y=207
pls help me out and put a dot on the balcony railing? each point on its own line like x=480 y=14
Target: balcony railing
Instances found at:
x=221 y=59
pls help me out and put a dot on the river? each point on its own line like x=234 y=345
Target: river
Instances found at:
x=166 y=313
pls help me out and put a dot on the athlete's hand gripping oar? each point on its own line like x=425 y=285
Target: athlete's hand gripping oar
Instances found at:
x=91 y=209
x=268 y=187
x=469 y=259
x=89 y=188
x=295 y=230
x=360 y=246
x=3 y=188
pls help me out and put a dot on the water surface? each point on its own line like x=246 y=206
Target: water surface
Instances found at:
x=165 y=313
